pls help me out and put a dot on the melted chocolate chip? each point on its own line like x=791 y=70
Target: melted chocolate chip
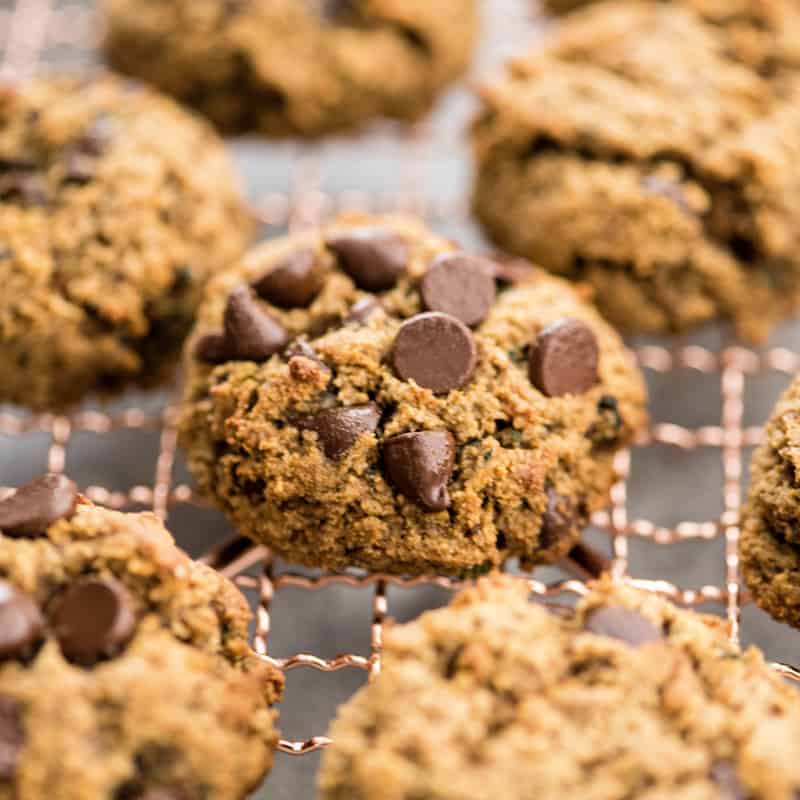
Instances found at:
x=93 y=620
x=21 y=623
x=340 y=428
x=564 y=359
x=37 y=505
x=459 y=285
x=362 y=310
x=624 y=624
x=723 y=774
x=12 y=736
x=435 y=350
x=373 y=257
x=293 y=283
x=419 y=465
x=558 y=521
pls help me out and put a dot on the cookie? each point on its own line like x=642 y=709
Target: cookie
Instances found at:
x=303 y=67
x=629 y=697
x=675 y=198
x=770 y=542
x=125 y=668
x=763 y=35
x=115 y=208
x=369 y=395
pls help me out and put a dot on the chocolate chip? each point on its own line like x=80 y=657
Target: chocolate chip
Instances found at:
x=94 y=619
x=21 y=623
x=624 y=624
x=435 y=350
x=12 y=736
x=339 y=428
x=373 y=257
x=293 y=283
x=212 y=349
x=419 y=465
x=459 y=285
x=564 y=359
x=558 y=520
x=723 y=774
x=362 y=310
x=37 y=505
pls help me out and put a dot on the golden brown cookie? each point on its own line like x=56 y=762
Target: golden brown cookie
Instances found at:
x=125 y=668
x=629 y=697
x=115 y=208
x=674 y=197
x=294 y=66
x=369 y=395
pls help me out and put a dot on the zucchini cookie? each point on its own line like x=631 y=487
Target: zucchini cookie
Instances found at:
x=125 y=669
x=675 y=198
x=770 y=543
x=369 y=395
x=294 y=66
x=115 y=208
x=628 y=697
x=764 y=34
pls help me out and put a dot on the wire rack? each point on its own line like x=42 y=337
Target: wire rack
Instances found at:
x=31 y=28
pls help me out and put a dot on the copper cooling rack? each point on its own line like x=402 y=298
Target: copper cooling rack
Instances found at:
x=31 y=28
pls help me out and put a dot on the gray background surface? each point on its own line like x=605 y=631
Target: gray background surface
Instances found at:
x=667 y=485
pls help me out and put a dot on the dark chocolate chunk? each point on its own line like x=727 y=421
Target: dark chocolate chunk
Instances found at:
x=293 y=283
x=362 y=310
x=339 y=428
x=624 y=624
x=37 y=505
x=436 y=350
x=419 y=466
x=94 y=619
x=564 y=359
x=723 y=774
x=21 y=623
x=558 y=520
x=373 y=257
x=251 y=334
x=12 y=736
x=460 y=285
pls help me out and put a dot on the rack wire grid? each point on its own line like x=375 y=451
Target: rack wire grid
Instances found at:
x=712 y=393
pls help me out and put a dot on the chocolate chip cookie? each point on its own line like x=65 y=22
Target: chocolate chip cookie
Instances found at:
x=115 y=208
x=294 y=66
x=370 y=395
x=125 y=669
x=676 y=198
x=770 y=542
x=764 y=35
x=628 y=697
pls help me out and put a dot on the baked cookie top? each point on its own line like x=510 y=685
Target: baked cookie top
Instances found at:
x=294 y=66
x=113 y=638
x=770 y=543
x=764 y=35
x=629 y=696
x=369 y=395
x=115 y=208
x=674 y=197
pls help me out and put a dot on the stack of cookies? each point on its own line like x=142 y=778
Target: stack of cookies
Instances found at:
x=368 y=394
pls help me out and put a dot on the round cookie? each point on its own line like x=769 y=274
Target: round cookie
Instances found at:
x=764 y=35
x=125 y=668
x=770 y=541
x=675 y=198
x=115 y=208
x=629 y=697
x=440 y=423
x=294 y=66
